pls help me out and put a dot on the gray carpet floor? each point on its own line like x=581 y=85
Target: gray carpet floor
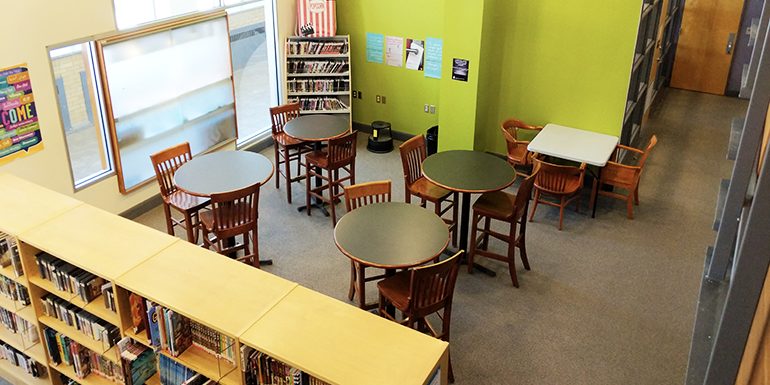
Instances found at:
x=608 y=300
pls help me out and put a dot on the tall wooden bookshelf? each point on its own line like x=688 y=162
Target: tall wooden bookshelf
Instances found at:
x=325 y=338
x=318 y=74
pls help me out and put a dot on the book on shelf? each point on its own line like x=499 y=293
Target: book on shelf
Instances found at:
x=5 y=250
x=18 y=325
x=261 y=369
x=300 y=47
x=69 y=278
x=17 y=358
x=172 y=372
x=15 y=257
x=64 y=351
x=88 y=324
x=108 y=294
x=299 y=66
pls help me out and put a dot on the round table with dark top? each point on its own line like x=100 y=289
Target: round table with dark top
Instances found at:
x=391 y=235
x=224 y=171
x=469 y=172
x=316 y=128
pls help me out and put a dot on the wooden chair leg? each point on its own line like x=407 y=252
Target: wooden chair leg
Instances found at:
x=333 y=186
x=485 y=240
x=190 y=228
x=455 y=211
x=636 y=194
x=352 y=290
x=577 y=203
x=512 y=255
x=522 y=244
x=561 y=212
x=534 y=204
x=361 y=281
x=630 y=207
x=169 y=222
x=592 y=201
x=308 y=182
x=472 y=246
x=287 y=169
x=277 y=164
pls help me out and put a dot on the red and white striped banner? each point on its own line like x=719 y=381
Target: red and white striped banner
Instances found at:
x=317 y=18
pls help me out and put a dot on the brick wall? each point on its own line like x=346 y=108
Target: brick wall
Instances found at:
x=69 y=68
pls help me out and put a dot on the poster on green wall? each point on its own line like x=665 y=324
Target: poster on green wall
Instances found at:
x=433 y=52
x=19 y=128
x=374 y=42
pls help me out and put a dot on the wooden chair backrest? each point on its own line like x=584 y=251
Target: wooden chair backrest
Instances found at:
x=650 y=145
x=282 y=114
x=341 y=151
x=625 y=176
x=511 y=128
x=554 y=178
x=524 y=194
x=413 y=153
x=235 y=212
x=431 y=289
x=363 y=194
x=166 y=163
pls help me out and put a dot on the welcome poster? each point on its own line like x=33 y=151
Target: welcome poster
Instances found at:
x=19 y=128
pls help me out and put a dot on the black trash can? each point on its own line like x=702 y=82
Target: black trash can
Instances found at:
x=431 y=140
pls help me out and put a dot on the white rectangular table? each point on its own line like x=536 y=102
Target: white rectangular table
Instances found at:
x=576 y=145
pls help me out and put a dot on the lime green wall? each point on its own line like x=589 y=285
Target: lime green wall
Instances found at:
x=406 y=91
x=566 y=62
x=462 y=30
x=494 y=34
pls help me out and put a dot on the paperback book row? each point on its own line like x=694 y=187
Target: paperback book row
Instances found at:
x=17 y=358
x=318 y=85
x=18 y=325
x=316 y=48
x=84 y=321
x=14 y=290
x=172 y=332
x=317 y=66
x=319 y=104
x=9 y=254
x=138 y=359
x=261 y=369
x=69 y=278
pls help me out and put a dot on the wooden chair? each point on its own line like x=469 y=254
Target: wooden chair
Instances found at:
x=623 y=176
x=233 y=213
x=420 y=292
x=166 y=163
x=518 y=155
x=413 y=153
x=356 y=196
x=286 y=148
x=339 y=154
x=508 y=208
x=563 y=182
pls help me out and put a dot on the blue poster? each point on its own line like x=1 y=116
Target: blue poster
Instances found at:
x=433 y=52
x=374 y=50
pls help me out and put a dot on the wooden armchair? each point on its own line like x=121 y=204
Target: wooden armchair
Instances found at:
x=563 y=182
x=166 y=163
x=623 y=176
x=340 y=154
x=413 y=153
x=518 y=155
x=356 y=196
x=420 y=292
x=233 y=213
x=286 y=148
x=508 y=208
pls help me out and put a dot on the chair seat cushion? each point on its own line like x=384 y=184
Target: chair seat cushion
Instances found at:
x=186 y=202
x=496 y=204
x=207 y=218
x=317 y=158
x=426 y=189
x=287 y=141
x=396 y=289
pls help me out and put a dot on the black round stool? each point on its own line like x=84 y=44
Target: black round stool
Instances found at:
x=381 y=140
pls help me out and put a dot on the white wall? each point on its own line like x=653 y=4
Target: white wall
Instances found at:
x=37 y=24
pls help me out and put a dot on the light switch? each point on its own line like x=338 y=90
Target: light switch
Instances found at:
x=426 y=108
x=432 y=109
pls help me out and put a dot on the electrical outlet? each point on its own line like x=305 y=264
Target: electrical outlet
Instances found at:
x=355 y=94
x=432 y=109
x=383 y=100
x=426 y=109
x=377 y=98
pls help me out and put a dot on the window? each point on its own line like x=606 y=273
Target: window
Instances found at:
x=78 y=91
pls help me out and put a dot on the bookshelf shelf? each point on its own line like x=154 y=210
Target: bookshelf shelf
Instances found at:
x=32 y=206
x=9 y=273
x=15 y=374
x=9 y=304
x=90 y=379
x=300 y=76
x=154 y=380
x=111 y=353
x=249 y=306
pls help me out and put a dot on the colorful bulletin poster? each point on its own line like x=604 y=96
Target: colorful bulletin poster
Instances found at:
x=394 y=51
x=415 y=49
x=19 y=128
x=433 y=52
x=374 y=42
